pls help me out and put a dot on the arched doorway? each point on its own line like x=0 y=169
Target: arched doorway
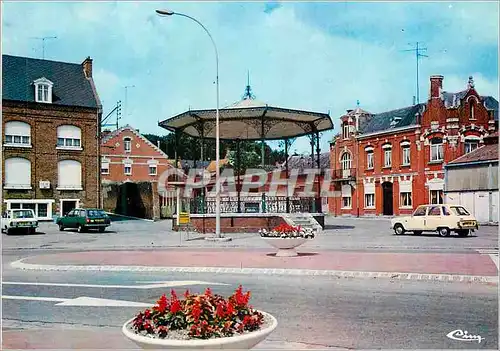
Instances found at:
x=387 y=199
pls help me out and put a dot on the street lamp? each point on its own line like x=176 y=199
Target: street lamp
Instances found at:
x=217 y=141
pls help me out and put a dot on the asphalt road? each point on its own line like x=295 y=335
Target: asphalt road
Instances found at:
x=321 y=311
x=339 y=234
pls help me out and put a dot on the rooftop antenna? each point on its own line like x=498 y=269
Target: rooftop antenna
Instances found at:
x=418 y=53
x=43 y=43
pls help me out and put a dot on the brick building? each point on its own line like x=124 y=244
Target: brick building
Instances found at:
x=391 y=162
x=50 y=121
x=127 y=156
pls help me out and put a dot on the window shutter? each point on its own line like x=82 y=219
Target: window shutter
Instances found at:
x=17 y=172
x=70 y=174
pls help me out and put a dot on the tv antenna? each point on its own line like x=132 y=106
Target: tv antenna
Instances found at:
x=43 y=43
x=418 y=53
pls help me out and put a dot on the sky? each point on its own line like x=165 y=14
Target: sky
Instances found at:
x=316 y=56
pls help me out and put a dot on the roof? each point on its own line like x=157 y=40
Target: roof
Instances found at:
x=484 y=153
x=302 y=162
x=71 y=87
x=249 y=119
x=393 y=119
x=452 y=100
x=222 y=162
x=491 y=104
x=118 y=131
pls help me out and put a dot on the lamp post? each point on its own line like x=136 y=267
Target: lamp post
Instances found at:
x=217 y=141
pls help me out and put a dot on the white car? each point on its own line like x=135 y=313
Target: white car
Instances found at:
x=436 y=218
x=19 y=220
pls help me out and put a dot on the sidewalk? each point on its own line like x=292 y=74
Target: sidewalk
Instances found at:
x=314 y=262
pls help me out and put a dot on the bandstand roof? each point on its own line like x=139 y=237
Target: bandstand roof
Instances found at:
x=249 y=119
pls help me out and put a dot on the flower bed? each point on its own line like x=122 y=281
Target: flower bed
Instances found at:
x=287 y=231
x=200 y=316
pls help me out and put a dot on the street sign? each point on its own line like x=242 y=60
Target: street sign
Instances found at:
x=184 y=218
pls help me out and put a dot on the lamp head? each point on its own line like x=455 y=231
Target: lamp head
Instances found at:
x=165 y=12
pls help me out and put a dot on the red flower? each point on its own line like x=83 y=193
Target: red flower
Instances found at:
x=230 y=309
x=173 y=295
x=175 y=307
x=219 y=311
x=162 y=304
x=208 y=292
x=196 y=311
x=186 y=294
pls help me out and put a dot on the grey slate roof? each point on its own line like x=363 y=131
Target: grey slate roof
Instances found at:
x=392 y=119
x=71 y=87
x=491 y=104
x=301 y=162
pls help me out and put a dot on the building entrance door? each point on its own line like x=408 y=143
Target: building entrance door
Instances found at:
x=67 y=205
x=387 y=199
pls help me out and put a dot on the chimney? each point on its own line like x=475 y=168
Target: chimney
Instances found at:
x=87 y=67
x=436 y=86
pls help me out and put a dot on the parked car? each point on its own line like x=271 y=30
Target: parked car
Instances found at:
x=19 y=220
x=83 y=219
x=436 y=218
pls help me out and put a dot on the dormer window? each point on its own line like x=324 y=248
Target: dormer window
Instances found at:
x=43 y=90
x=345 y=131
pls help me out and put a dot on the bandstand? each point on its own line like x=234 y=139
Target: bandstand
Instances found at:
x=252 y=120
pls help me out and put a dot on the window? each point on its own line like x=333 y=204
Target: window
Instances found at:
x=127 y=144
x=387 y=158
x=420 y=211
x=446 y=212
x=345 y=130
x=69 y=175
x=369 y=200
x=17 y=173
x=346 y=202
x=69 y=137
x=472 y=106
x=436 y=197
x=43 y=90
x=471 y=145
x=436 y=149
x=369 y=160
x=152 y=169
x=434 y=211
x=104 y=167
x=346 y=161
x=17 y=134
x=406 y=155
x=405 y=199
x=128 y=169
x=460 y=211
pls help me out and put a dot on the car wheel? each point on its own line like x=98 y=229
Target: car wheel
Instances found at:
x=32 y=231
x=61 y=227
x=417 y=232
x=398 y=229
x=444 y=232
x=8 y=231
x=81 y=228
x=101 y=230
x=463 y=233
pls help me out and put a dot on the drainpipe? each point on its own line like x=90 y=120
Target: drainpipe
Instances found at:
x=356 y=175
x=100 y=200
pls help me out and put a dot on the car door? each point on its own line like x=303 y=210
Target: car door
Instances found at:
x=69 y=219
x=82 y=217
x=434 y=218
x=417 y=219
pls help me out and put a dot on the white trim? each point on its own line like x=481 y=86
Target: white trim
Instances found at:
x=387 y=146
x=69 y=148
x=36 y=201
x=369 y=148
x=61 y=204
x=405 y=143
x=22 y=146
x=43 y=82
x=69 y=188
x=19 y=187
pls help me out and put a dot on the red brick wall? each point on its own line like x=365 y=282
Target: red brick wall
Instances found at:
x=235 y=224
x=44 y=120
x=452 y=124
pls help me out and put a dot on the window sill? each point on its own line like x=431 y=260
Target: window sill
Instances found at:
x=17 y=187
x=387 y=167
x=406 y=208
x=370 y=169
x=435 y=162
x=22 y=146
x=370 y=208
x=69 y=148
x=105 y=173
x=69 y=188
x=153 y=175
x=127 y=174
x=408 y=165
x=346 y=208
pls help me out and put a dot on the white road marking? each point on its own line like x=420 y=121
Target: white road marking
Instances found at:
x=493 y=253
x=81 y=301
x=95 y=302
x=163 y=284
x=33 y=298
x=494 y=258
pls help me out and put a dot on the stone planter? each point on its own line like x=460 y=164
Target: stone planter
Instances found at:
x=286 y=246
x=241 y=342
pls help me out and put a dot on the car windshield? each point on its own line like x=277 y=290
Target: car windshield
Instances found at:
x=460 y=211
x=96 y=213
x=22 y=214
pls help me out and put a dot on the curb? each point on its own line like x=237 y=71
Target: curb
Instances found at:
x=19 y=264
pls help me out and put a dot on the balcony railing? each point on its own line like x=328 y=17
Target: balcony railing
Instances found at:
x=349 y=173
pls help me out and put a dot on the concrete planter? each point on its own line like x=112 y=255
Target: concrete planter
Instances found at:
x=286 y=246
x=241 y=342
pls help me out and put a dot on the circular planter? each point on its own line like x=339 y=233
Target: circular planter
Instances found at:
x=241 y=342
x=286 y=246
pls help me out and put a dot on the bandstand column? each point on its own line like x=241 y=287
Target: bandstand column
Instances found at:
x=287 y=177
x=238 y=162
x=313 y=207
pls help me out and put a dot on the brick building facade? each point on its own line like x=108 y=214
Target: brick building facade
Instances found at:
x=391 y=162
x=50 y=150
